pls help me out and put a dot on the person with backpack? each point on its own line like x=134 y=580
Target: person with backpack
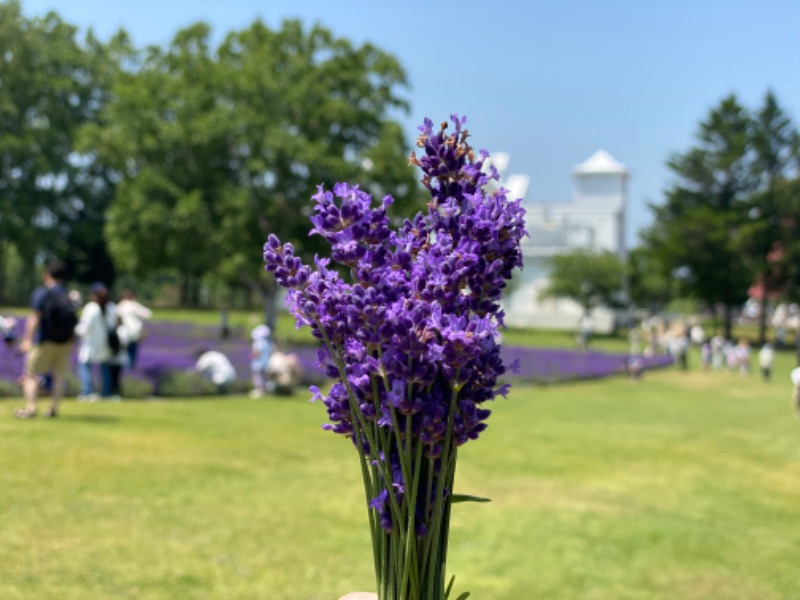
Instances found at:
x=99 y=342
x=47 y=340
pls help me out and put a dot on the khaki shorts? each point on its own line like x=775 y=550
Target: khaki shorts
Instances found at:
x=49 y=357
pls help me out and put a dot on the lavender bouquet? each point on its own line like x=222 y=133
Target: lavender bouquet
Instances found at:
x=409 y=321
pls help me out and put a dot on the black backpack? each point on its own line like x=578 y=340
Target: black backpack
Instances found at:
x=58 y=316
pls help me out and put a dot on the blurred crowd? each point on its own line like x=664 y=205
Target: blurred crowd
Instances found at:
x=108 y=334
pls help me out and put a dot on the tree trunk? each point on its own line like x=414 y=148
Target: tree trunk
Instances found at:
x=728 y=316
x=184 y=291
x=762 y=321
x=196 y=285
x=267 y=292
x=190 y=291
x=270 y=312
x=2 y=273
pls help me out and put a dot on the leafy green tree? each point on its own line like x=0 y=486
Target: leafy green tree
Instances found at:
x=215 y=149
x=648 y=285
x=312 y=109
x=778 y=239
x=589 y=278
x=162 y=136
x=698 y=233
x=53 y=198
x=47 y=91
x=776 y=150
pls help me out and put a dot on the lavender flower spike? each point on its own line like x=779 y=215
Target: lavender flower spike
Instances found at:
x=411 y=338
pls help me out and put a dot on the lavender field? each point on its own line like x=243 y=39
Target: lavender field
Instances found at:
x=170 y=346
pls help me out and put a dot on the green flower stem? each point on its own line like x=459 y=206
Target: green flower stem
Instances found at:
x=411 y=531
x=432 y=552
x=445 y=527
x=357 y=417
x=397 y=554
x=371 y=481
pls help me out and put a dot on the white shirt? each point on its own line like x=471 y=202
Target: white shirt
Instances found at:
x=217 y=367
x=765 y=357
x=133 y=316
x=93 y=331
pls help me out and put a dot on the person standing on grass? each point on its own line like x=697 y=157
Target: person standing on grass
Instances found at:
x=706 y=355
x=679 y=348
x=47 y=340
x=133 y=315
x=795 y=376
x=717 y=352
x=743 y=356
x=260 y=350
x=766 y=356
x=98 y=319
x=586 y=327
x=119 y=358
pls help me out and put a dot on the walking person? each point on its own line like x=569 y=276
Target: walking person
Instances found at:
x=766 y=357
x=718 y=352
x=132 y=314
x=586 y=327
x=98 y=320
x=47 y=340
x=706 y=356
x=743 y=356
x=679 y=348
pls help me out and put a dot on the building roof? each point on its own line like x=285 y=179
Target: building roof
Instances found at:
x=600 y=162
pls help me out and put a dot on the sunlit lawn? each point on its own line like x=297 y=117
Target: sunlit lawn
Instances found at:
x=241 y=322
x=681 y=486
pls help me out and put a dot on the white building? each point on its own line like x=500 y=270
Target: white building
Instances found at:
x=594 y=219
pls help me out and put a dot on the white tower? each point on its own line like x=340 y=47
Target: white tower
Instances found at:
x=594 y=220
x=600 y=191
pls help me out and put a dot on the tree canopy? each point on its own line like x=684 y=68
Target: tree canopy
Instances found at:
x=714 y=231
x=215 y=148
x=50 y=200
x=589 y=278
x=182 y=158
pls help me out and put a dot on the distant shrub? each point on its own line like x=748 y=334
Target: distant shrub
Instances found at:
x=9 y=389
x=12 y=388
x=312 y=377
x=71 y=385
x=137 y=388
x=240 y=386
x=182 y=383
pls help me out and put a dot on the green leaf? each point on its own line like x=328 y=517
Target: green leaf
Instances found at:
x=449 y=587
x=457 y=498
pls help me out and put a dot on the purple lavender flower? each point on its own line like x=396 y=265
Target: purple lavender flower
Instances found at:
x=410 y=320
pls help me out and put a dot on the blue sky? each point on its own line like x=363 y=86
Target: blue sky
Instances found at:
x=547 y=82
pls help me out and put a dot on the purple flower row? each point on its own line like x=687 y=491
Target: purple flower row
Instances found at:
x=543 y=365
x=171 y=346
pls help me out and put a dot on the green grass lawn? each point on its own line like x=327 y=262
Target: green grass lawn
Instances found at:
x=241 y=322
x=679 y=486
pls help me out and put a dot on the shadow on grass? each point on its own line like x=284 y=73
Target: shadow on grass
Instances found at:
x=100 y=419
